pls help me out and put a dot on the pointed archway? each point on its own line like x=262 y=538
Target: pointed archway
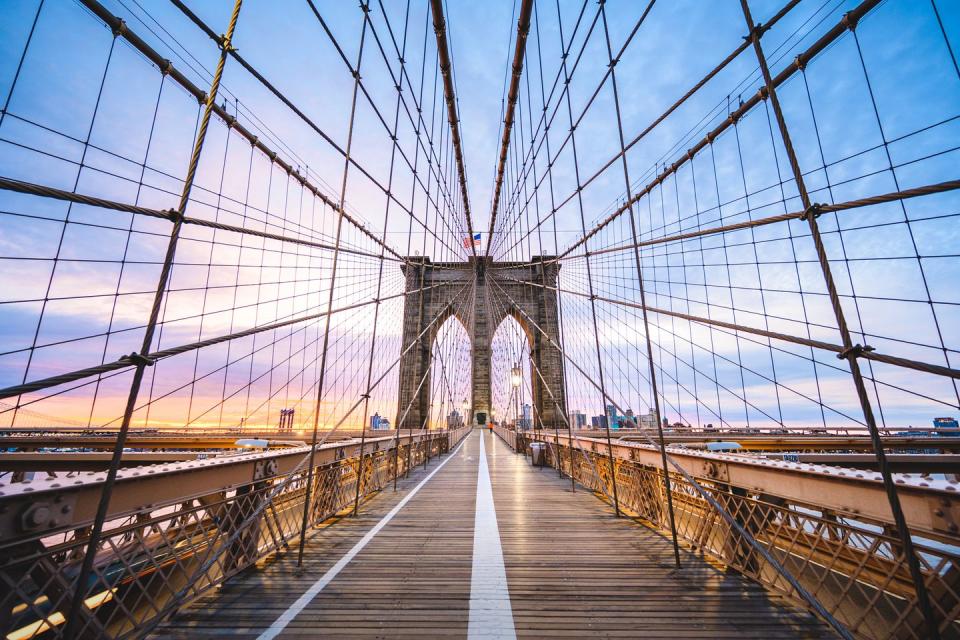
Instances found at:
x=492 y=291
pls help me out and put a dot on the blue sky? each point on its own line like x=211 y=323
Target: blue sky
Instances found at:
x=913 y=79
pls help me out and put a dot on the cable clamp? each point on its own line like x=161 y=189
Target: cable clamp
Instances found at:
x=613 y=62
x=850 y=21
x=755 y=32
x=801 y=62
x=365 y=396
x=855 y=351
x=763 y=92
x=173 y=215
x=120 y=29
x=166 y=67
x=225 y=44
x=814 y=211
x=139 y=359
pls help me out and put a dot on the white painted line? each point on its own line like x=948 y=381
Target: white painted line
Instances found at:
x=294 y=610
x=491 y=615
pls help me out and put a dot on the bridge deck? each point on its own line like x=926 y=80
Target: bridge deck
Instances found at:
x=572 y=570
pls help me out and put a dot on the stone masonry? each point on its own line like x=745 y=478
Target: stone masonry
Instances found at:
x=493 y=294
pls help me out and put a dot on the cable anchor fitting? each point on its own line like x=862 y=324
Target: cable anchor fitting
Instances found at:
x=850 y=21
x=225 y=44
x=139 y=359
x=855 y=351
x=814 y=211
x=755 y=33
x=120 y=29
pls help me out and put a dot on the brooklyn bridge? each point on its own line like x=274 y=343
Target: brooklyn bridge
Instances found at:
x=676 y=358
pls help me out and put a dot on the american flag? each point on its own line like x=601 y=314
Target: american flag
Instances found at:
x=474 y=242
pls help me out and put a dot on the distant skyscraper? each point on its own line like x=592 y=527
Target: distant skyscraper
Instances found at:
x=454 y=420
x=578 y=419
x=526 y=421
x=612 y=418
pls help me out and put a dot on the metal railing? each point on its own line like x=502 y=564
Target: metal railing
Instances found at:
x=175 y=531
x=829 y=527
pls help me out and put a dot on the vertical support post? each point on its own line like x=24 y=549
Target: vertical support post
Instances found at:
x=142 y=360
x=851 y=351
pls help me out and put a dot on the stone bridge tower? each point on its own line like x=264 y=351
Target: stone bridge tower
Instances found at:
x=443 y=288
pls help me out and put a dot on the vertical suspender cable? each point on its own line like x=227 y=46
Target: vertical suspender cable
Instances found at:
x=851 y=351
x=142 y=362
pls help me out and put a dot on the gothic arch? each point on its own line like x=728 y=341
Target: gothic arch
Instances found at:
x=432 y=287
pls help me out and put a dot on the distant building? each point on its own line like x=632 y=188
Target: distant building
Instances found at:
x=945 y=423
x=598 y=422
x=648 y=420
x=611 y=415
x=378 y=422
x=526 y=421
x=454 y=420
x=578 y=419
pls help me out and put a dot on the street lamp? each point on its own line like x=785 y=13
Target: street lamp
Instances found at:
x=515 y=380
x=466 y=408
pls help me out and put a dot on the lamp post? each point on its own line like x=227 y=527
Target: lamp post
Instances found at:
x=515 y=380
x=466 y=409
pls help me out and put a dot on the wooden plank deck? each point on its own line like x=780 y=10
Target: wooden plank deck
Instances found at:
x=573 y=570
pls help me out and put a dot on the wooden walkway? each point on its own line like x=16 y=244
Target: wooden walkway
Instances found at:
x=572 y=570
